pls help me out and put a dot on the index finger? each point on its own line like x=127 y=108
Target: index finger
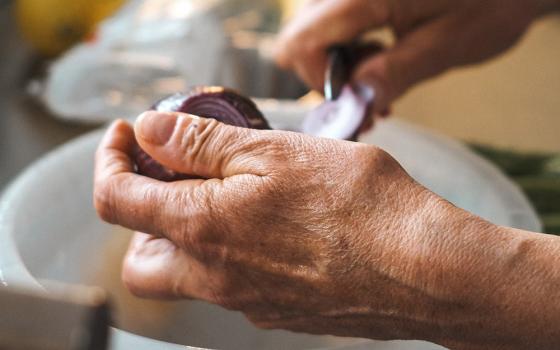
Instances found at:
x=115 y=151
x=140 y=203
x=303 y=43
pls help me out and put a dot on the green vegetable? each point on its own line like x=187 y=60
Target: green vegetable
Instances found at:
x=543 y=191
x=514 y=163
x=551 y=223
x=538 y=175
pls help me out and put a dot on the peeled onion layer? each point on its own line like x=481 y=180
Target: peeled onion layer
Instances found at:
x=339 y=119
x=224 y=105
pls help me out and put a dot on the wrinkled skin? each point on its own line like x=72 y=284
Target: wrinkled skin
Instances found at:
x=431 y=37
x=320 y=236
x=288 y=253
x=332 y=237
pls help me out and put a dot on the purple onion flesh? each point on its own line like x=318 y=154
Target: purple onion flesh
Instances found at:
x=222 y=104
x=339 y=119
x=344 y=117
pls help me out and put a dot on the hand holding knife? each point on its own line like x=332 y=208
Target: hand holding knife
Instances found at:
x=341 y=61
x=345 y=110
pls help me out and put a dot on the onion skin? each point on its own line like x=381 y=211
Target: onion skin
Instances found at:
x=222 y=104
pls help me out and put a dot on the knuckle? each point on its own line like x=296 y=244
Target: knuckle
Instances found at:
x=196 y=225
x=103 y=201
x=158 y=204
x=193 y=236
x=167 y=216
x=383 y=160
x=374 y=157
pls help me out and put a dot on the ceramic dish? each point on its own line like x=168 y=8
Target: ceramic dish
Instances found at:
x=49 y=231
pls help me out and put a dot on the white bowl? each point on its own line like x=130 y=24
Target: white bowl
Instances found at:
x=49 y=231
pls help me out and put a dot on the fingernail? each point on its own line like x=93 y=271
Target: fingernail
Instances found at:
x=156 y=127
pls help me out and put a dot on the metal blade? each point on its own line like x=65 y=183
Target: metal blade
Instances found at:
x=337 y=72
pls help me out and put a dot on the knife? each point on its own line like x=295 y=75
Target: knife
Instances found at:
x=341 y=61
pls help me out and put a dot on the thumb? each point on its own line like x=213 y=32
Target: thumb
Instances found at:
x=199 y=146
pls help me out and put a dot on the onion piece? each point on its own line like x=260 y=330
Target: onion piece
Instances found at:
x=341 y=118
x=222 y=104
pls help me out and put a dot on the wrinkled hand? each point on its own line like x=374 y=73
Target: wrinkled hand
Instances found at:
x=432 y=36
x=296 y=232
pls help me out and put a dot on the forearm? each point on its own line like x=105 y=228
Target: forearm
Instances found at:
x=488 y=287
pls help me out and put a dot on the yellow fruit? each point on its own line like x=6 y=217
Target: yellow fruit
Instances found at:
x=52 y=26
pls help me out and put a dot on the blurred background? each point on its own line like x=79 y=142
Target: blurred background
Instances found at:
x=68 y=66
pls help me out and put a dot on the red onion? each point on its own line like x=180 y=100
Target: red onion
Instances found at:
x=222 y=104
x=343 y=117
x=339 y=119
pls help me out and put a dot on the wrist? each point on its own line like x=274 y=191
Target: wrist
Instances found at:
x=447 y=261
x=487 y=283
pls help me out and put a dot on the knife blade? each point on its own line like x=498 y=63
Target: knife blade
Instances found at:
x=336 y=73
x=341 y=61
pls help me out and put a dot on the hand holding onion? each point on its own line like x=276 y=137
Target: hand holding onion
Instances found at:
x=333 y=237
x=283 y=226
x=222 y=104
x=319 y=236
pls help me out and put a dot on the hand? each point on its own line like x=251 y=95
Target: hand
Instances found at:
x=432 y=36
x=297 y=232
x=321 y=236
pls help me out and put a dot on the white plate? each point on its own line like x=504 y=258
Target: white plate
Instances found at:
x=49 y=230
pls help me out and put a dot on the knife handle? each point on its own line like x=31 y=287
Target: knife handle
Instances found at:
x=341 y=62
